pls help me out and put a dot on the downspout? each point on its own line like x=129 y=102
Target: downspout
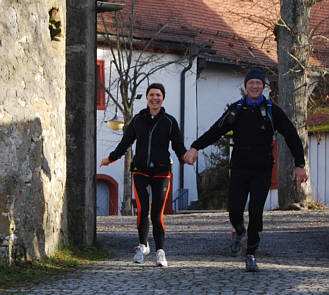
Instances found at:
x=182 y=115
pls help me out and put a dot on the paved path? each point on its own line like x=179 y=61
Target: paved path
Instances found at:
x=293 y=258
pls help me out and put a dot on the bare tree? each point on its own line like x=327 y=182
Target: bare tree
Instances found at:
x=135 y=60
x=293 y=65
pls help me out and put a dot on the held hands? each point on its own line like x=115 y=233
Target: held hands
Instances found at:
x=300 y=175
x=190 y=156
x=105 y=162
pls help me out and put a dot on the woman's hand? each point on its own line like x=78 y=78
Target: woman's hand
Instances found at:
x=105 y=162
x=191 y=156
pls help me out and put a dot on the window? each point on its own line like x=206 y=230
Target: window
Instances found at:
x=100 y=90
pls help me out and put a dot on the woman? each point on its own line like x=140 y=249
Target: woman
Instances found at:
x=152 y=129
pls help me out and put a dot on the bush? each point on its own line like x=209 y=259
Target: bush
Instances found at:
x=213 y=182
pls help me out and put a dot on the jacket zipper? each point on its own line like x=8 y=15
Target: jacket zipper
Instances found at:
x=149 y=144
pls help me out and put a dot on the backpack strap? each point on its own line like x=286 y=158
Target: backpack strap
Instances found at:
x=269 y=105
x=230 y=114
x=239 y=104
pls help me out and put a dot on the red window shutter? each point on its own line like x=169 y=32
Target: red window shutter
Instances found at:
x=274 y=181
x=100 y=90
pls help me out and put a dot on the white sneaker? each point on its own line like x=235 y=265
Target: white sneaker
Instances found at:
x=141 y=252
x=161 y=258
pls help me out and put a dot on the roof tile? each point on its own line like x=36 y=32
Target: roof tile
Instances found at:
x=237 y=29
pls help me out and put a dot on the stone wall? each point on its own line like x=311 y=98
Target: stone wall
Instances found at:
x=32 y=128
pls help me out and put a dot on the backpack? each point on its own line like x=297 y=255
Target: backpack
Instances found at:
x=263 y=112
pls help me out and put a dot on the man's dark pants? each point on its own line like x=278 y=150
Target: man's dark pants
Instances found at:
x=256 y=183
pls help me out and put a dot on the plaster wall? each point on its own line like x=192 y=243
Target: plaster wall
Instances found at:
x=107 y=139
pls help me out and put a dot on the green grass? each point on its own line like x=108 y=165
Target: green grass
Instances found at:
x=323 y=128
x=65 y=259
x=319 y=109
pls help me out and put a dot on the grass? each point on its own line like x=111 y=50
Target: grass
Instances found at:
x=64 y=260
x=320 y=108
x=323 y=128
x=317 y=115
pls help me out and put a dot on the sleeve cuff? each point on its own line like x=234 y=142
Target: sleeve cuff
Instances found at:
x=110 y=160
x=300 y=165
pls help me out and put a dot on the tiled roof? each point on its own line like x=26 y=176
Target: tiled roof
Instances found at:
x=238 y=30
x=319 y=24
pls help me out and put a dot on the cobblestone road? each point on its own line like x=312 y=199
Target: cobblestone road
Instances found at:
x=293 y=258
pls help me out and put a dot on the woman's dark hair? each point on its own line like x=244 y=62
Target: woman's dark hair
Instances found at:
x=156 y=86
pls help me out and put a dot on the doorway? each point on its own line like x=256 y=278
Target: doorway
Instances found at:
x=106 y=196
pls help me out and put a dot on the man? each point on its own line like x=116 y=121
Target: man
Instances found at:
x=254 y=121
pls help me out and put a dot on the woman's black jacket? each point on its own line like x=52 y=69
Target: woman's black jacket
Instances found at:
x=152 y=141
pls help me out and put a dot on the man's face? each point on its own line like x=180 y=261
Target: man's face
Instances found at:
x=254 y=88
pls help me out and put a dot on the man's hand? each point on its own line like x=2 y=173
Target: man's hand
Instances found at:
x=190 y=156
x=300 y=175
x=105 y=162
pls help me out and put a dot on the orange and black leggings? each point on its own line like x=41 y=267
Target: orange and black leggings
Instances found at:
x=160 y=186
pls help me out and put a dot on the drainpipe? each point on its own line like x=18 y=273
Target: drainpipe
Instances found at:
x=182 y=116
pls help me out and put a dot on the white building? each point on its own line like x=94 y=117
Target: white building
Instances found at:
x=213 y=81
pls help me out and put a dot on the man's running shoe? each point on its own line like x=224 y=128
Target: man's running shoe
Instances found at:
x=251 y=265
x=237 y=245
x=141 y=252
x=161 y=258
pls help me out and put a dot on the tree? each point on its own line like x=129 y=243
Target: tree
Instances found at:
x=134 y=60
x=293 y=64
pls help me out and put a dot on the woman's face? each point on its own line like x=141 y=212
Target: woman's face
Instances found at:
x=154 y=99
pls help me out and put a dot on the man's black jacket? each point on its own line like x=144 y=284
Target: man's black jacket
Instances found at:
x=253 y=135
x=152 y=141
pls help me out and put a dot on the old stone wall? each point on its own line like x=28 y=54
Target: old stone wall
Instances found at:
x=32 y=128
